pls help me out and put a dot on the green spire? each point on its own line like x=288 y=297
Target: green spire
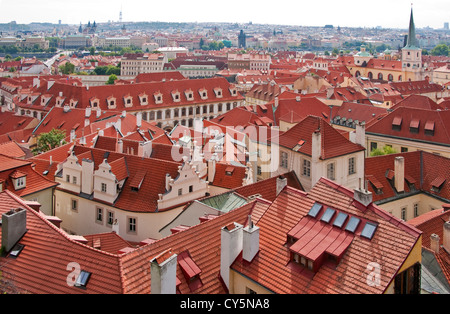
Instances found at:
x=412 y=41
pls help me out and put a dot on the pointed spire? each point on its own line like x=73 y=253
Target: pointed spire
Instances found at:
x=412 y=41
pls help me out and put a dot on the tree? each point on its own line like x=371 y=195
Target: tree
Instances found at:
x=67 y=68
x=50 y=140
x=386 y=150
x=440 y=50
x=111 y=79
x=92 y=51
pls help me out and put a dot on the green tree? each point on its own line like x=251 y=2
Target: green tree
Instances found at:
x=386 y=150
x=440 y=50
x=67 y=68
x=50 y=140
x=92 y=51
x=111 y=79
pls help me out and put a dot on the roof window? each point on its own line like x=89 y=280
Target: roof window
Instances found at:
x=83 y=279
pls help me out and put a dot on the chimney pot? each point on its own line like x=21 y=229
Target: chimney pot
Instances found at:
x=434 y=243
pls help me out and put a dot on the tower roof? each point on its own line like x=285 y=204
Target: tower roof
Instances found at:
x=412 y=42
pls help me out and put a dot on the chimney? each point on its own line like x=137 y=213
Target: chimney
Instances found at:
x=399 y=179
x=281 y=183
x=230 y=247
x=164 y=273
x=168 y=178
x=362 y=195
x=119 y=146
x=434 y=243
x=87 y=176
x=446 y=235
x=360 y=134
x=88 y=112
x=99 y=112
x=73 y=136
x=297 y=98
x=250 y=246
x=316 y=146
x=212 y=168
x=14 y=226
x=139 y=119
x=66 y=108
x=276 y=102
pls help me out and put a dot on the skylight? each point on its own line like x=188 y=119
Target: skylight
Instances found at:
x=315 y=210
x=83 y=279
x=352 y=224
x=329 y=213
x=369 y=230
x=340 y=220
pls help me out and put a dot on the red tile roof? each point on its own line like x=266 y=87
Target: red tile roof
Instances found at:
x=228 y=176
x=333 y=143
x=350 y=273
x=405 y=116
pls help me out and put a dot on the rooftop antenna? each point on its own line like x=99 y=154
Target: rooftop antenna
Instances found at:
x=120 y=14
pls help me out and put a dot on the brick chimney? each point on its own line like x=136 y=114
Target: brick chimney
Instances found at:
x=164 y=273
x=14 y=226
x=230 y=248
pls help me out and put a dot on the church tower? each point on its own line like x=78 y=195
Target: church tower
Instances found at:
x=412 y=55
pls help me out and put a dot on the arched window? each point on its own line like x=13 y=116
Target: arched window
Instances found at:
x=358 y=74
x=390 y=77
x=399 y=78
x=370 y=75
x=380 y=76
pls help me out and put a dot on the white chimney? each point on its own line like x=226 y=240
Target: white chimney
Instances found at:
x=164 y=273
x=99 y=112
x=230 y=248
x=66 y=108
x=362 y=195
x=73 y=136
x=399 y=179
x=298 y=98
x=87 y=176
x=250 y=246
x=14 y=226
x=212 y=168
x=88 y=112
x=276 y=102
x=281 y=183
x=316 y=146
x=434 y=243
x=168 y=178
x=360 y=134
x=119 y=146
x=139 y=119
x=446 y=239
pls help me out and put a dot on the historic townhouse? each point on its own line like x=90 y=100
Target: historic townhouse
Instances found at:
x=166 y=103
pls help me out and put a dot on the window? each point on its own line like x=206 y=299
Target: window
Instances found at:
x=306 y=168
x=82 y=279
x=250 y=291
x=180 y=192
x=74 y=180
x=351 y=166
x=131 y=224
x=67 y=178
x=408 y=282
x=373 y=145
x=404 y=149
x=403 y=213
x=99 y=214
x=416 y=209
x=110 y=218
x=331 y=171
x=74 y=204
x=104 y=187
x=284 y=160
x=191 y=188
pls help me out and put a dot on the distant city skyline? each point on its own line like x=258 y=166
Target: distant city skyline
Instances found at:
x=351 y=13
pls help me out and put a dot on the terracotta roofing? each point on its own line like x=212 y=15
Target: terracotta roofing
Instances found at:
x=422 y=171
x=129 y=166
x=12 y=149
x=229 y=176
x=356 y=112
x=333 y=142
x=197 y=244
x=10 y=122
x=12 y=168
x=417 y=101
x=397 y=124
x=51 y=266
x=109 y=242
x=349 y=273
x=159 y=77
x=416 y=87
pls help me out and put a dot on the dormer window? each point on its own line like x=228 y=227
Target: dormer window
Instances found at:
x=59 y=101
x=111 y=102
x=203 y=93
x=128 y=101
x=189 y=94
x=45 y=100
x=176 y=96
x=95 y=103
x=73 y=103
x=158 y=98
x=143 y=98
x=218 y=92
x=19 y=180
x=233 y=91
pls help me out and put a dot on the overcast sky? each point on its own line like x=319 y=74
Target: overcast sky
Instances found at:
x=351 y=13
